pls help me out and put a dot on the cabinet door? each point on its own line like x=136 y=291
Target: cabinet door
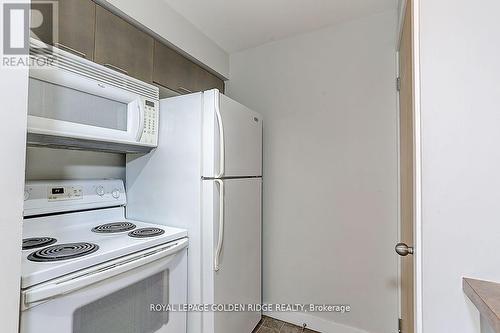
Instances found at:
x=121 y=46
x=76 y=26
x=172 y=70
x=207 y=81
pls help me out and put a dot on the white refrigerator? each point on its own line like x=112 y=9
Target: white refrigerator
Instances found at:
x=206 y=176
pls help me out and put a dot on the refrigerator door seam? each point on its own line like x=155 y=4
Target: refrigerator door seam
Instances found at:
x=231 y=177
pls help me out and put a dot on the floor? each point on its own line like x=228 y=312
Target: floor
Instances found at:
x=271 y=325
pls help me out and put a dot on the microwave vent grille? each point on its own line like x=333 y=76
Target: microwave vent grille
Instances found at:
x=66 y=61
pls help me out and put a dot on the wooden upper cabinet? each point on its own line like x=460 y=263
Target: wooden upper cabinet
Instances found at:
x=121 y=46
x=93 y=32
x=172 y=70
x=76 y=26
x=175 y=72
x=206 y=81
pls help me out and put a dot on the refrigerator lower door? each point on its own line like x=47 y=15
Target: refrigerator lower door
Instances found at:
x=241 y=132
x=238 y=278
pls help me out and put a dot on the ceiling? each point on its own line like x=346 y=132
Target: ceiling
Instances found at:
x=236 y=25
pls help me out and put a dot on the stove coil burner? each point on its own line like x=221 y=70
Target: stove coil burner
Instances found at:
x=110 y=228
x=63 y=252
x=146 y=232
x=33 y=243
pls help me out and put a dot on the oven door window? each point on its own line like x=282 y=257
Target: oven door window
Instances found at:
x=47 y=100
x=126 y=310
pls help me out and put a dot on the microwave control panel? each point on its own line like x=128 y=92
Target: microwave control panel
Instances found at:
x=150 y=131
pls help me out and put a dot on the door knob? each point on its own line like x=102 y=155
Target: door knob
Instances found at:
x=403 y=250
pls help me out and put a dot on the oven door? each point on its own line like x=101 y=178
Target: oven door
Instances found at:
x=115 y=298
x=64 y=104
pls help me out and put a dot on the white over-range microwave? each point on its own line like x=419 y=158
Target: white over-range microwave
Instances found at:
x=75 y=103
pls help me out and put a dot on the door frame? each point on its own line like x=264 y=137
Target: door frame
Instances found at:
x=417 y=232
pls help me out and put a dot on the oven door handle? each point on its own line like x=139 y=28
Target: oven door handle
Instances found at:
x=92 y=275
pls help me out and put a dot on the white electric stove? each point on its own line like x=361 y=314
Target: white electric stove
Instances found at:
x=87 y=268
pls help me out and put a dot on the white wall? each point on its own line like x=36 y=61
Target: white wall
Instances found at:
x=159 y=17
x=13 y=94
x=460 y=108
x=330 y=169
x=45 y=163
x=12 y=148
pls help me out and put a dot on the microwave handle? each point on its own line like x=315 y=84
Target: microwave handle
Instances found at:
x=140 y=129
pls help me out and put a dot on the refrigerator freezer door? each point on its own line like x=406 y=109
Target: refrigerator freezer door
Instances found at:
x=242 y=138
x=238 y=280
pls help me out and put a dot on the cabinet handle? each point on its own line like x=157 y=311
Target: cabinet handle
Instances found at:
x=182 y=89
x=71 y=50
x=116 y=68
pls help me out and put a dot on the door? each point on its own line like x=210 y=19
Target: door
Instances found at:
x=238 y=276
x=172 y=70
x=118 y=304
x=76 y=23
x=72 y=106
x=241 y=130
x=77 y=27
x=407 y=153
x=176 y=72
x=205 y=80
x=122 y=47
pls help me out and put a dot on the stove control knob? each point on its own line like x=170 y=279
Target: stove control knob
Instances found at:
x=26 y=195
x=99 y=191
x=116 y=193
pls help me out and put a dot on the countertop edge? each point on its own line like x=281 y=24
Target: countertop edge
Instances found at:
x=480 y=300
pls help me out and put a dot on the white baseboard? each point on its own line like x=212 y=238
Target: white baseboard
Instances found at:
x=313 y=322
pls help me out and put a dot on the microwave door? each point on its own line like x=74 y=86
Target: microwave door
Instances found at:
x=84 y=109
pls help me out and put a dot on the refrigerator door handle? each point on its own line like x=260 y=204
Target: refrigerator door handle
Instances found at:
x=222 y=159
x=221 y=225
